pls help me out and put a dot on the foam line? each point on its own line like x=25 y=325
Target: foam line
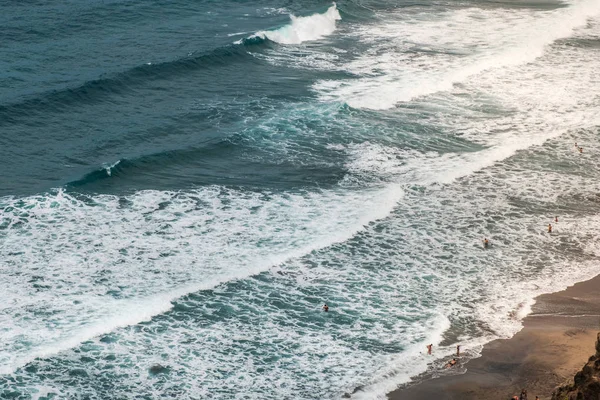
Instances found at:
x=497 y=48
x=120 y=313
x=404 y=366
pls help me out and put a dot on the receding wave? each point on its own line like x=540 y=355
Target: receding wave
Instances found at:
x=301 y=29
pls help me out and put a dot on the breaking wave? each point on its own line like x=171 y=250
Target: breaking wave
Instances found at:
x=303 y=29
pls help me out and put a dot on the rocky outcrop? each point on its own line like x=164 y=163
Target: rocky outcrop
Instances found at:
x=586 y=385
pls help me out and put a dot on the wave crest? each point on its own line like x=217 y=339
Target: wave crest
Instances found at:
x=303 y=29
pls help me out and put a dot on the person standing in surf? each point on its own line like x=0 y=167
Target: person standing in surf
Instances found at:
x=429 y=346
x=549 y=228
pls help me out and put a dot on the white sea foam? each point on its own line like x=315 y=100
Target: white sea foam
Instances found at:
x=276 y=11
x=149 y=255
x=237 y=34
x=108 y=168
x=394 y=286
x=299 y=58
x=400 y=368
x=415 y=55
x=548 y=103
x=303 y=29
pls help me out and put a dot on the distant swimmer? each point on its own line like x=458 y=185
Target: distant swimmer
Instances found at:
x=556 y=219
x=458 y=350
x=429 y=346
x=581 y=149
x=549 y=228
x=325 y=308
x=486 y=243
x=451 y=363
x=576 y=145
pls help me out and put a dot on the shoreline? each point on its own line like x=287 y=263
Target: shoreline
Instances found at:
x=557 y=339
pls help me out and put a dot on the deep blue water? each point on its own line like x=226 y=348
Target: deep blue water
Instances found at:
x=161 y=85
x=186 y=183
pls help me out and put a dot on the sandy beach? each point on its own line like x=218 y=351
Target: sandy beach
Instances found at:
x=557 y=339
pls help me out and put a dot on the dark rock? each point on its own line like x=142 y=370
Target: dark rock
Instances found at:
x=579 y=378
x=594 y=386
x=586 y=383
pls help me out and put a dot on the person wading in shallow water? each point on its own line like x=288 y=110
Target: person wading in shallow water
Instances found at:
x=549 y=228
x=458 y=350
x=429 y=346
x=556 y=219
x=325 y=308
x=486 y=243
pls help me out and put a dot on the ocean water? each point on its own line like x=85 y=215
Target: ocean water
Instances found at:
x=186 y=183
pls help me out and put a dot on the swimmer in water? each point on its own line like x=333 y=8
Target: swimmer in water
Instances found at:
x=556 y=219
x=429 y=346
x=549 y=228
x=325 y=308
x=486 y=243
x=581 y=149
x=452 y=363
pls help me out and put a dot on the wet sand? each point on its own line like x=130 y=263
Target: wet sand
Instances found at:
x=557 y=339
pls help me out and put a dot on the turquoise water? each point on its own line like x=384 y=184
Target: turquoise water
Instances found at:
x=185 y=184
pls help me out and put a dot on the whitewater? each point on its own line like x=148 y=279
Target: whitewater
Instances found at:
x=178 y=209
